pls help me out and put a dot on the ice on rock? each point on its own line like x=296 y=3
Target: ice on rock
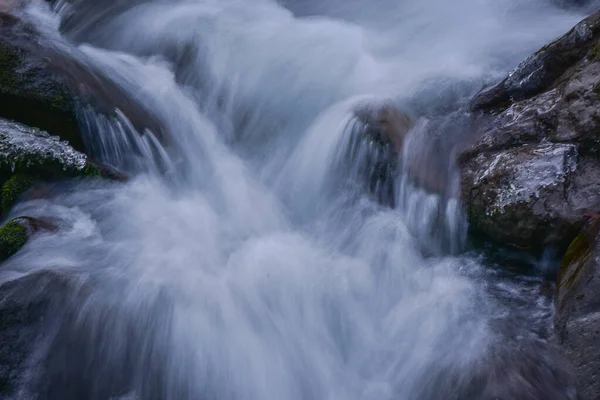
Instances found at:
x=21 y=143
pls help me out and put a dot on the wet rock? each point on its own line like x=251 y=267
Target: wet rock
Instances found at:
x=15 y=233
x=538 y=72
x=29 y=156
x=528 y=369
x=13 y=189
x=385 y=124
x=29 y=91
x=29 y=150
x=383 y=134
x=520 y=196
x=377 y=135
x=96 y=169
x=24 y=303
x=13 y=236
x=428 y=160
x=577 y=318
x=46 y=86
x=533 y=170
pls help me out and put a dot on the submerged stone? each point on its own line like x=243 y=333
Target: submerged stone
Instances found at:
x=377 y=134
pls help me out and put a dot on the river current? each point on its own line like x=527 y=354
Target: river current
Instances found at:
x=243 y=259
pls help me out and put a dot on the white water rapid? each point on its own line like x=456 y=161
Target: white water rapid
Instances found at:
x=244 y=259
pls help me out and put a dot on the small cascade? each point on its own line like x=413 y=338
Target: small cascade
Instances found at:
x=291 y=228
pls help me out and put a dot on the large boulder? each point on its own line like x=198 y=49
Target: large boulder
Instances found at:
x=383 y=134
x=47 y=85
x=577 y=317
x=30 y=92
x=533 y=170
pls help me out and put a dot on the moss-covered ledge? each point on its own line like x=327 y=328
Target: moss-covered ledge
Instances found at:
x=28 y=156
x=14 y=188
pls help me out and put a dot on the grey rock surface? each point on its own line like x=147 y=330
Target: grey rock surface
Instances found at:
x=532 y=172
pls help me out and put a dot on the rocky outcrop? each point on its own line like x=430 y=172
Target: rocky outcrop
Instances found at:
x=44 y=86
x=383 y=134
x=29 y=91
x=23 y=305
x=531 y=178
x=25 y=149
x=376 y=136
x=577 y=318
x=534 y=169
x=29 y=156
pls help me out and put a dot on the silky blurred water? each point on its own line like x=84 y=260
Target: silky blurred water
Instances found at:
x=245 y=259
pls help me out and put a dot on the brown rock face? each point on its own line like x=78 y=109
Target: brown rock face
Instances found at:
x=420 y=145
x=395 y=124
x=377 y=137
x=385 y=123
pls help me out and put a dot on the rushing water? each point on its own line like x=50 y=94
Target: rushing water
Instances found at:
x=246 y=259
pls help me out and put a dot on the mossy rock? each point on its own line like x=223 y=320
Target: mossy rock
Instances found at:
x=14 y=188
x=30 y=92
x=576 y=259
x=26 y=150
x=91 y=170
x=577 y=308
x=13 y=236
x=28 y=155
x=595 y=51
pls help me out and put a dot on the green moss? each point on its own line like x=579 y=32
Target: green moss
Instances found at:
x=14 y=188
x=31 y=93
x=596 y=90
x=13 y=236
x=9 y=60
x=37 y=166
x=577 y=252
x=576 y=256
x=595 y=52
x=578 y=249
x=91 y=171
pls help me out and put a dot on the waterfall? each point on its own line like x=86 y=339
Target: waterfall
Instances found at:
x=253 y=254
